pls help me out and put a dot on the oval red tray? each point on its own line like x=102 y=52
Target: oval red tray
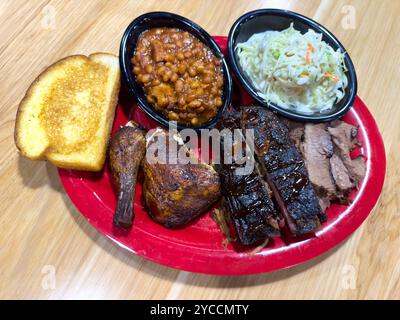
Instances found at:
x=199 y=246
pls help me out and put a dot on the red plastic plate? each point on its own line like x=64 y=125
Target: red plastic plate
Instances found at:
x=199 y=246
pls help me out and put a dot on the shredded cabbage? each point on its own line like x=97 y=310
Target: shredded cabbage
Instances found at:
x=294 y=70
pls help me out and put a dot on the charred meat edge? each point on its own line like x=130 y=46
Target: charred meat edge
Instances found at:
x=247 y=201
x=272 y=145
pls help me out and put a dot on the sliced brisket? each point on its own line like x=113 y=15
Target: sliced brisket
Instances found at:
x=317 y=150
x=349 y=131
x=340 y=174
x=344 y=139
x=358 y=165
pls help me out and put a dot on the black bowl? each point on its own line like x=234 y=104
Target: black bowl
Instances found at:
x=275 y=19
x=166 y=19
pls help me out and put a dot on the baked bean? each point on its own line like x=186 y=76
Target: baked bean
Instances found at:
x=208 y=72
x=174 y=77
x=194 y=104
x=161 y=70
x=174 y=68
x=180 y=56
x=195 y=52
x=182 y=68
x=207 y=79
x=167 y=76
x=148 y=68
x=179 y=86
x=169 y=58
x=180 y=75
x=200 y=68
x=195 y=84
x=173 y=116
x=199 y=92
x=190 y=97
x=146 y=78
x=192 y=71
x=210 y=66
x=181 y=101
x=162 y=101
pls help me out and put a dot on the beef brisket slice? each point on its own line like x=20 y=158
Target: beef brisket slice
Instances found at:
x=348 y=130
x=317 y=149
x=358 y=165
x=344 y=139
x=340 y=174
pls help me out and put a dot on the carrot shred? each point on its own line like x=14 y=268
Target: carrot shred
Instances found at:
x=310 y=50
x=331 y=76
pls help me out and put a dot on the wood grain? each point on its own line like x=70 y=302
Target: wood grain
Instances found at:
x=41 y=229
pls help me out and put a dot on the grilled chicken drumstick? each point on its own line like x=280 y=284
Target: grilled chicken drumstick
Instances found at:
x=127 y=149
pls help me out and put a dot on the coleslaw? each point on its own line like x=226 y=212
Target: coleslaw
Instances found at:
x=294 y=70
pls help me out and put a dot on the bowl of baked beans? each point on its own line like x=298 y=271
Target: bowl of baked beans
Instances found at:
x=175 y=70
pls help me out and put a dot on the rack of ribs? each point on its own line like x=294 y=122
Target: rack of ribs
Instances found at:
x=246 y=197
x=284 y=169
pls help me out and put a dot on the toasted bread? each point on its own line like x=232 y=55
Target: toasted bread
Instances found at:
x=67 y=114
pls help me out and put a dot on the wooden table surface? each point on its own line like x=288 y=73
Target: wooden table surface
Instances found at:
x=47 y=250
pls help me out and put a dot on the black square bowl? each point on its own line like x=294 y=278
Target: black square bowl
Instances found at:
x=275 y=19
x=170 y=20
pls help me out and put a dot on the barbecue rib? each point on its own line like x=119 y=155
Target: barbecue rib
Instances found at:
x=175 y=194
x=246 y=197
x=284 y=170
x=127 y=150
